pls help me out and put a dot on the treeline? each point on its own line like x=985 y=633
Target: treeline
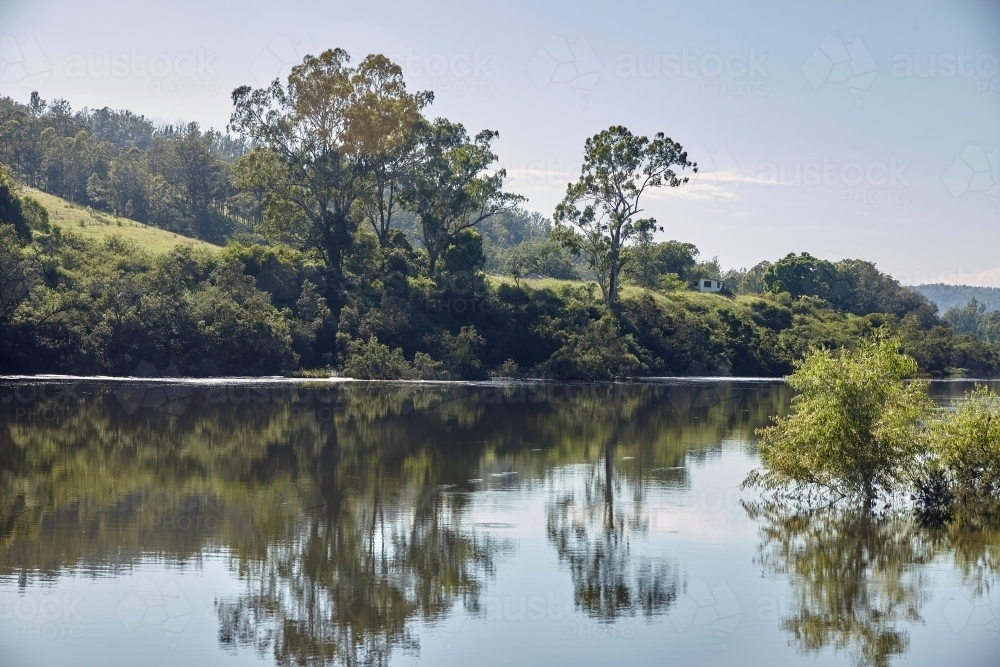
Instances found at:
x=73 y=306
x=176 y=178
x=947 y=297
x=973 y=318
x=360 y=236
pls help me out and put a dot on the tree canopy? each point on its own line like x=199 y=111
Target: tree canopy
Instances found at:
x=600 y=211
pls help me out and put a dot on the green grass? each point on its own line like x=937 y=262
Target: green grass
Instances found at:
x=683 y=299
x=96 y=225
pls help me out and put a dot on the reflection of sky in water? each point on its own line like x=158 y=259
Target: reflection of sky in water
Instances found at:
x=666 y=570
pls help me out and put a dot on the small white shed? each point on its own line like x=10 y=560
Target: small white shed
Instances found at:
x=708 y=285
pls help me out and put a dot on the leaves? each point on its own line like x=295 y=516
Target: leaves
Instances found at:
x=855 y=424
x=602 y=207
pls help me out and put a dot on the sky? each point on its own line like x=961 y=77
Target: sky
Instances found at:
x=846 y=130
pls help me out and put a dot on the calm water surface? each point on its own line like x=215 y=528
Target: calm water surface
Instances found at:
x=315 y=524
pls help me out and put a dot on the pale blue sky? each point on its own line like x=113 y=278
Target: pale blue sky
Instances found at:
x=835 y=92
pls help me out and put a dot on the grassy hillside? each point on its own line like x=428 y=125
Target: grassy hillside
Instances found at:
x=956 y=296
x=686 y=299
x=96 y=225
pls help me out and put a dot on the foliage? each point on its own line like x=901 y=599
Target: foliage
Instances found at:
x=802 y=275
x=599 y=214
x=853 y=285
x=318 y=135
x=648 y=263
x=974 y=319
x=451 y=189
x=102 y=303
x=12 y=208
x=371 y=360
x=966 y=444
x=540 y=258
x=174 y=177
x=596 y=351
x=747 y=281
x=854 y=427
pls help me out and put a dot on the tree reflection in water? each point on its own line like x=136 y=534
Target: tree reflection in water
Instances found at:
x=343 y=586
x=858 y=579
x=593 y=537
x=345 y=581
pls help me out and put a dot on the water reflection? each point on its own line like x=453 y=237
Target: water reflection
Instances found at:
x=859 y=581
x=593 y=538
x=855 y=578
x=345 y=510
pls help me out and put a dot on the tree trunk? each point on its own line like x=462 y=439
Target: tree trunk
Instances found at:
x=870 y=494
x=432 y=258
x=612 y=297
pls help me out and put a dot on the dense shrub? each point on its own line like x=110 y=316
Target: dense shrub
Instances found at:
x=967 y=445
x=372 y=360
x=853 y=430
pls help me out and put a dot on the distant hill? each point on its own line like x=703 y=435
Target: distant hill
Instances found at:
x=96 y=225
x=955 y=296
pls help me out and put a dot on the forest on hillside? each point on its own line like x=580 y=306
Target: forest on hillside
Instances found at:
x=946 y=297
x=364 y=237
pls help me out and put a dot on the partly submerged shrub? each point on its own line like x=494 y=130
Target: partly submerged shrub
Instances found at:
x=967 y=445
x=854 y=427
x=933 y=498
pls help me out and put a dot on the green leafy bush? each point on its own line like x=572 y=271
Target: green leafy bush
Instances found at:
x=854 y=427
x=371 y=360
x=596 y=352
x=967 y=445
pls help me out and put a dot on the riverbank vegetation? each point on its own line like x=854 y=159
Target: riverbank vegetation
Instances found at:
x=335 y=227
x=860 y=432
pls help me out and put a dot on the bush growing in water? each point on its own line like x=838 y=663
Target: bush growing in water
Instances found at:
x=966 y=446
x=859 y=429
x=854 y=429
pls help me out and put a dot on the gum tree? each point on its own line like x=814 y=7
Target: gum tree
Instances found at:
x=334 y=129
x=452 y=188
x=385 y=123
x=599 y=215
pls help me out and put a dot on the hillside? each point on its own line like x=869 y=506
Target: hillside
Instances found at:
x=97 y=225
x=956 y=296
